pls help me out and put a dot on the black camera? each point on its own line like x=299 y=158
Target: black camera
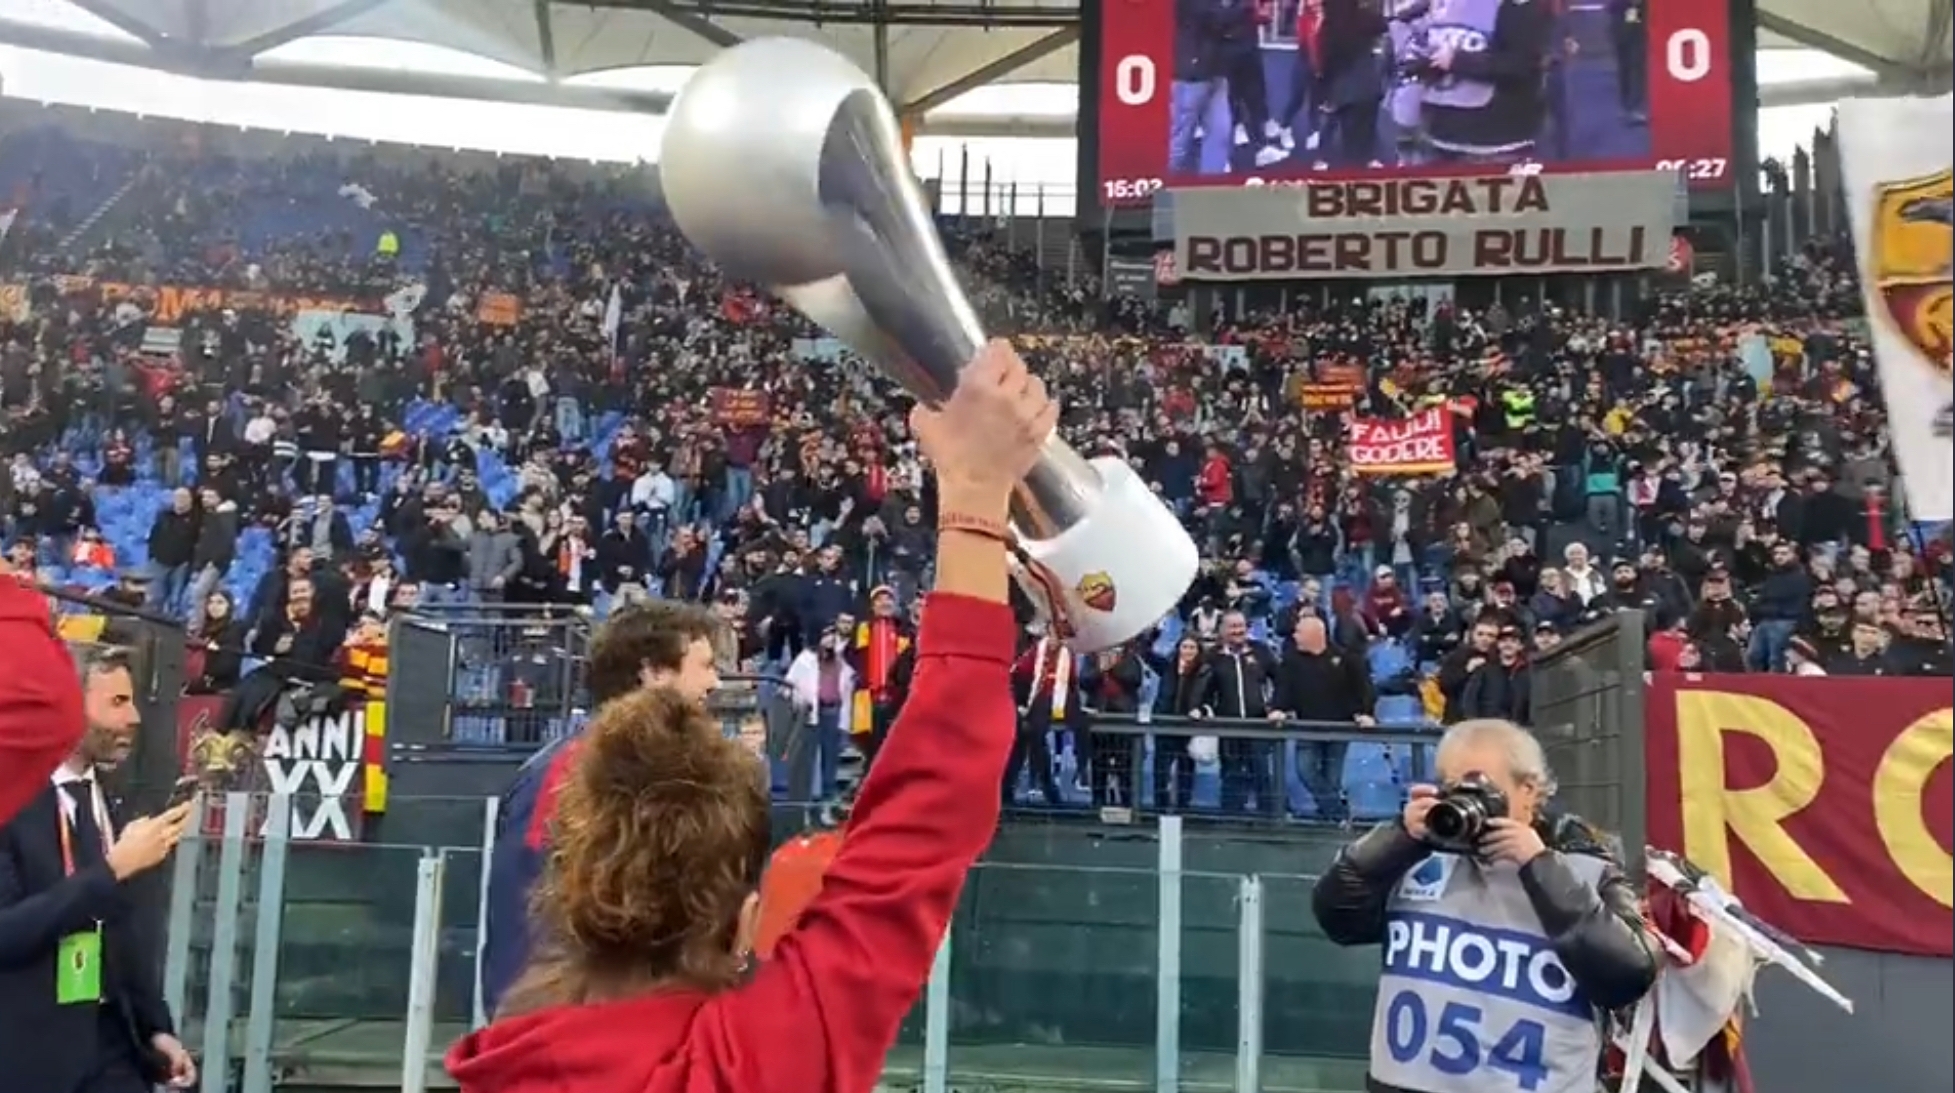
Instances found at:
x=1458 y=820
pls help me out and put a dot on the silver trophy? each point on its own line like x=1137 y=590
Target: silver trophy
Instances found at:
x=782 y=161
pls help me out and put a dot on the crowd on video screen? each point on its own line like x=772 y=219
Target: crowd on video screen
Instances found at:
x=1262 y=85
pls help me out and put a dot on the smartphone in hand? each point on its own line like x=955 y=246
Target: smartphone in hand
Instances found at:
x=186 y=789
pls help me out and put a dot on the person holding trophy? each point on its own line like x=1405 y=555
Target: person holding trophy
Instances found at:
x=650 y=905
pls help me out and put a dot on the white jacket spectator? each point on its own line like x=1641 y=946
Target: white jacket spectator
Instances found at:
x=1584 y=581
x=804 y=680
x=654 y=492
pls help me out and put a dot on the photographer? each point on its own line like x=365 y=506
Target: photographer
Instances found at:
x=1505 y=927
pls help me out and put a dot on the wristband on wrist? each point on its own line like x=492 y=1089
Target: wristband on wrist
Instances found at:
x=1028 y=569
x=995 y=530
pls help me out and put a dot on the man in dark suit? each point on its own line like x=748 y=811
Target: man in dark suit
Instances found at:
x=81 y=1008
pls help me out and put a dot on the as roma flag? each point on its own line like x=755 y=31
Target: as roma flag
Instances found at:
x=793 y=880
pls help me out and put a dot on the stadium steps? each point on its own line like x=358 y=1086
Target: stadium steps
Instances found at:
x=95 y=215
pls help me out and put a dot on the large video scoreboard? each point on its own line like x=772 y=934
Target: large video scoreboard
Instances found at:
x=1623 y=84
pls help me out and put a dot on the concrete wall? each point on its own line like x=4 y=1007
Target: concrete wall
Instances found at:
x=1897 y=1039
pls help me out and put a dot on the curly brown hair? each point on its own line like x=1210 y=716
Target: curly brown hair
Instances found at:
x=659 y=836
x=654 y=634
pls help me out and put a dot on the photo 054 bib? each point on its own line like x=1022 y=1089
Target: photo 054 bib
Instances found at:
x=1472 y=998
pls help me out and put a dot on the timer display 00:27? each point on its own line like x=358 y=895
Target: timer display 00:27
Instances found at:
x=1155 y=131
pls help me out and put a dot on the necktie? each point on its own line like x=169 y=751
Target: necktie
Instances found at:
x=87 y=840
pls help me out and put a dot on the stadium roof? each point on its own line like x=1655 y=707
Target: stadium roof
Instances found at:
x=927 y=52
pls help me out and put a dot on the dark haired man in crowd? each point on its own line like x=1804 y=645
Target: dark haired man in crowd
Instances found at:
x=1234 y=685
x=661 y=643
x=1503 y=686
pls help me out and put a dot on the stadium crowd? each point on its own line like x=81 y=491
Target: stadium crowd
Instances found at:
x=284 y=396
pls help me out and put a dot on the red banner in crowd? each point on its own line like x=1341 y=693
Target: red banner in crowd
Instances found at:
x=499 y=309
x=741 y=306
x=1824 y=804
x=736 y=408
x=1420 y=444
x=1327 y=397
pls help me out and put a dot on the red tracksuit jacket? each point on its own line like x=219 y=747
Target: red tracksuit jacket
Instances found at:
x=40 y=699
x=820 y=1015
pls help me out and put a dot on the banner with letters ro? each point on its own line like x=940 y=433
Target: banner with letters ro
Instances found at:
x=1823 y=804
x=1420 y=444
x=1896 y=155
x=1427 y=227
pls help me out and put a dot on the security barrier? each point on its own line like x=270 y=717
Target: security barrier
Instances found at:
x=355 y=966
x=487 y=674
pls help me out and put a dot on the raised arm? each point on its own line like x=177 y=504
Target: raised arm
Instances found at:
x=842 y=980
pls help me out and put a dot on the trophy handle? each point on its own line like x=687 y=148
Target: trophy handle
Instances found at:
x=1116 y=572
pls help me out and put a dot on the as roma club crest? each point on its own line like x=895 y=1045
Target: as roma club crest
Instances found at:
x=1096 y=591
x=1913 y=226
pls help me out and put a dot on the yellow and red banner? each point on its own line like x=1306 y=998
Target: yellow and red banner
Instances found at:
x=168 y=304
x=1327 y=397
x=1824 y=804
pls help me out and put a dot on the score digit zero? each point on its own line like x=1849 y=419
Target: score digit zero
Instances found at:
x=1686 y=57
x=1134 y=80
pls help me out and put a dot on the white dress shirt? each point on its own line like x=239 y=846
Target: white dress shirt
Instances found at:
x=65 y=777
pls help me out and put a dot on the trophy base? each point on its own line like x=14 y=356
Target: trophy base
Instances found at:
x=1123 y=566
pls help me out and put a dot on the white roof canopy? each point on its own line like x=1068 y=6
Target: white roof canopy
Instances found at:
x=926 y=52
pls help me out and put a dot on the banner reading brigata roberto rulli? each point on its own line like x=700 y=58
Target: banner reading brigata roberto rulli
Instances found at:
x=1618 y=220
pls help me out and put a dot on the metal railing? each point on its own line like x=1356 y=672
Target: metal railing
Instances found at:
x=490 y=674
x=1588 y=714
x=357 y=965
x=1271 y=765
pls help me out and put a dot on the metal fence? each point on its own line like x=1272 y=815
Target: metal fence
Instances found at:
x=1588 y=713
x=488 y=673
x=1144 y=962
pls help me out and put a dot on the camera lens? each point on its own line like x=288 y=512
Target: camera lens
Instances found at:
x=1446 y=821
